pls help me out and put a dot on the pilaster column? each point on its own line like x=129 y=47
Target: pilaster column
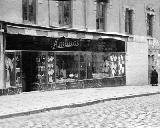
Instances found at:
x=2 y=68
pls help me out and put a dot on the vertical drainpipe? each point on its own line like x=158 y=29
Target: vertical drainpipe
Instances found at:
x=120 y=16
x=49 y=18
x=85 y=13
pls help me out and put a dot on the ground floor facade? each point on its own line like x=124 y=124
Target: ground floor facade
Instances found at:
x=36 y=58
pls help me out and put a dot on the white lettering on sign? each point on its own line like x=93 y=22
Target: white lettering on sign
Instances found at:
x=66 y=43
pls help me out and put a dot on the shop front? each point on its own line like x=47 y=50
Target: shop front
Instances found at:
x=43 y=63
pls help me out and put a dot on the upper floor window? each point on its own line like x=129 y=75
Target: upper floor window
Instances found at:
x=129 y=21
x=150 y=25
x=29 y=11
x=65 y=18
x=100 y=15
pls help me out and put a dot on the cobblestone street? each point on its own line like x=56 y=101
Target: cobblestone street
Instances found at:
x=139 y=112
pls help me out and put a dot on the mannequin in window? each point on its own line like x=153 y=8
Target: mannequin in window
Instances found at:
x=8 y=70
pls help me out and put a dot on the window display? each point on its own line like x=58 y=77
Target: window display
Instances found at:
x=108 y=65
x=9 y=69
x=100 y=64
x=61 y=67
x=66 y=67
x=82 y=67
x=13 y=69
x=41 y=67
x=18 y=69
x=51 y=68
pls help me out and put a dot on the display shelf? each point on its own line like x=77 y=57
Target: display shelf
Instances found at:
x=41 y=68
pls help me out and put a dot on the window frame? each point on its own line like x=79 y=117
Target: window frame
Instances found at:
x=61 y=8
x=128 y=21
x=28 y=19
x=100 y=15
x=150 y=18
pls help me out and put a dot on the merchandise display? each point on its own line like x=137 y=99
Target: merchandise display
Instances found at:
x=41 y=67
x=18 y=70
x=51 y=68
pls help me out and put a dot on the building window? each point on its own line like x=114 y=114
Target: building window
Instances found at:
x=129 y=21
x=100 y=15
x=65 y=18
x=29 y=11
x=150 y=25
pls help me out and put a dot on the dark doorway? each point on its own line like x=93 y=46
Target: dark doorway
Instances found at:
x=29 y=70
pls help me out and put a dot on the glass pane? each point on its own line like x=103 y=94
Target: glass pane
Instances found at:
x=65 y=12
x=25 y=10
x=9 y=69
x=108 y=65
x=89 y=65
x=83 y=66
x=51 y=68
x=121 y=64
x=66 y=68
x=100 y=15
x=18 y=70
x=100 y=66
x=60 y=13
x=41 y=67
x=32 y=6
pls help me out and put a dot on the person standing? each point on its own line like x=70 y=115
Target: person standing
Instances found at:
x=154 y=77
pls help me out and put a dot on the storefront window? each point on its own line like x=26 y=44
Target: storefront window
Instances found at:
x=41 y=67
x=83 y=67
x=107 y=65
x=9 y=70
x=100 y=65
x=13 y=69
x=51 y=68
x=18 y=69
x=66 y=67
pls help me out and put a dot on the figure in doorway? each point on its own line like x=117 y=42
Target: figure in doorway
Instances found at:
x=154 y=77
x=8 y=70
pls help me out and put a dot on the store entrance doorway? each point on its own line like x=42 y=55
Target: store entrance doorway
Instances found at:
x=29 y=70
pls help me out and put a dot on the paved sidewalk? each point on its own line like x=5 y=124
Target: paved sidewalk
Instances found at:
x=34 y=102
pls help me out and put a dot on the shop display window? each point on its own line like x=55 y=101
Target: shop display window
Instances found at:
x=108 y=65
x=51 y=67
x=41 y=68
x=13 y=69
x=18 y=69
x=67 y=67
x=83 y=67
x=100 y=65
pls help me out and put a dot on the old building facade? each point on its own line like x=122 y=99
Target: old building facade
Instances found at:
x=50 y=44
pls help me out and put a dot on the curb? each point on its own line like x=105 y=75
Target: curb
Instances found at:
x=74 y=105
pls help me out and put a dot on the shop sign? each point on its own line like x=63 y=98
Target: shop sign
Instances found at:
x=63 y=43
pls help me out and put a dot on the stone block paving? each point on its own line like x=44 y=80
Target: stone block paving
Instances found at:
x=33 y=101
x=138 y=112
